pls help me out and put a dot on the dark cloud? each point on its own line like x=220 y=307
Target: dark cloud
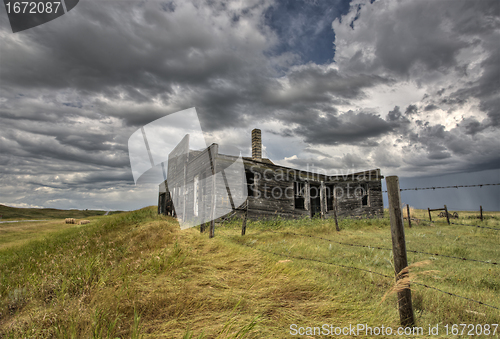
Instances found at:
x=395 y=114
x=411 y=110
x=452 y=52
x=136 y=55
x=430 y=107
x=314 y=151
x=352 y=162
x=348 y=128
x=330 y=82
x=472 y=126
x=457 y=146
x=439 y=155
x=414 y=35
x=72 y=91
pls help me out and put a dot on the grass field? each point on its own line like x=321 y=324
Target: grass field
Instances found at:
x=15 y=234
x=13 y=213
x=137 y=275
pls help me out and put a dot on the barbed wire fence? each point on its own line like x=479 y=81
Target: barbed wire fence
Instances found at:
x=434 y=254
x=287 y=255
x=384 y=248
x=443 y=187
x=446 y=213
x=371 y=272
x=458 y=224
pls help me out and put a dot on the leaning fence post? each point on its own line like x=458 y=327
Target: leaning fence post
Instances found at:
x=447 y=216
x=399 y=249
x=408 y=213
x=244 y=224
x=481 y=210
x=212 y=154
x=430 y=218
x=335 y=213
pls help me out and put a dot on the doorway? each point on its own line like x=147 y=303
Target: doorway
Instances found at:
x=315 y=201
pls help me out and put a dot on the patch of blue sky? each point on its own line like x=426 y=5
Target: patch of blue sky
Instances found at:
x=304 y=27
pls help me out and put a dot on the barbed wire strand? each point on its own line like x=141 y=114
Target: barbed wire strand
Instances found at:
x=323 y=262
x=491 y=228
x=228 y=217
x=454 y=223
x=443 y=187
x=372 y=272
x=384 y=248
x=453 y=294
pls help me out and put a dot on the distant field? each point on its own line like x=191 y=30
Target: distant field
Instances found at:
x=13 y=213
x=137 y=275
x=19 y=233
x=490 y=218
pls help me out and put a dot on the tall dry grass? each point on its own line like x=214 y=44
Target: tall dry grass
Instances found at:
x=137 y=275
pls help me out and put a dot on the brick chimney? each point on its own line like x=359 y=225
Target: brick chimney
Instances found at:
x=256 y=145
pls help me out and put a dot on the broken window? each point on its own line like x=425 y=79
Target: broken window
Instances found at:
x=299 y=194
x=329 y=192
x=364 y=195
x=250 y=183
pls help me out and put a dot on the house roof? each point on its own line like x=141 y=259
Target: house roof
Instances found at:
x=264 y=160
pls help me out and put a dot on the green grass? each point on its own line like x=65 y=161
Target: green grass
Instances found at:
x=137 y=275
x=19 y=233
x=13 y=213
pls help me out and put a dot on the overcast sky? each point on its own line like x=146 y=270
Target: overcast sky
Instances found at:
x=410 y=87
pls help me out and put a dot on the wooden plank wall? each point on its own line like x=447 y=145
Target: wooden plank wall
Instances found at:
x=271 y=179
x=274 y=190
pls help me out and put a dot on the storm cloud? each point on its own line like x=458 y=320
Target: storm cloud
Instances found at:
x=411 y=87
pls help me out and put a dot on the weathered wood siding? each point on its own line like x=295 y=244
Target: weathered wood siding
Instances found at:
x=273 y=190
x=350 y=204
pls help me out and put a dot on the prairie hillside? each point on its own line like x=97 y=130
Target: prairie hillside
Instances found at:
x=14 y=213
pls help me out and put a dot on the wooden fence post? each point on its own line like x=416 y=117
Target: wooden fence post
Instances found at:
x=481 y=210
x=335 y=213
x=447 y=215
x=211 y=232
x=408 y=213
x=430 y=218
x=322 y=199
x=307 y=197
x=212 y=153
x=244 y=224
x=399 y=249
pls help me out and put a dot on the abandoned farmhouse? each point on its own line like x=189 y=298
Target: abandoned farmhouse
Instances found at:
x=273 y=190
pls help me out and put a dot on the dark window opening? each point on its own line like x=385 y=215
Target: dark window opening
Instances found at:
x=364 y=197
x=250 y=183
x=299 y=195
x=364 y=200
x=314 y=194
x=329 y=197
